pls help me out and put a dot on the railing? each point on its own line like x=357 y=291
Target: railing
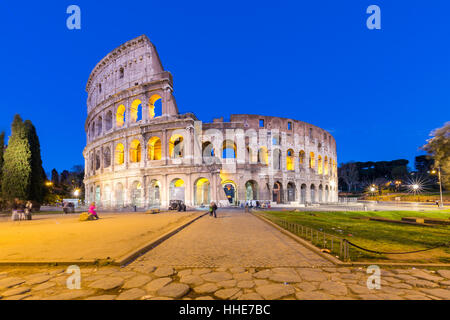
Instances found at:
x=338 y=247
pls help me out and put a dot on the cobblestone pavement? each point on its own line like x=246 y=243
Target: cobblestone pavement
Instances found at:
x=254 y=272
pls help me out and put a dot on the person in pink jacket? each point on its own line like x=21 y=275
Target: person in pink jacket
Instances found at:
x=92 y=211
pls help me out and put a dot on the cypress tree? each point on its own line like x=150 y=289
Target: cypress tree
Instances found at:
x=16 y=173
x=37 y=179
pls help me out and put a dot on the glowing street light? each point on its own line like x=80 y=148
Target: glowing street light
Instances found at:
x=49 y=183
x=76 y=193
x=441 y=203
x=415 y=187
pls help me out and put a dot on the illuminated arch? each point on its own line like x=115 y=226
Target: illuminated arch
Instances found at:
x=312 y=160
x=301 y=158
x=202 y=192
x=154 y=194
x=290 y=160
x=325 y=167
x=154 y=103
x=176 y=146
x=319 y=165
x=251 y=190
x=263 y=156
x=120 y=116
x=154 y=149
x=177 y=190
x=136 y=194
x=135 y=151
x=229 y=150
x=276 y=159
x=120 y=154
x=136 y=110
x=208 y=150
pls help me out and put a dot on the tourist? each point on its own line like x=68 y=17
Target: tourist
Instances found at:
x=92 y=213
x=213 y=209
x=28 y=209
x=65 y=207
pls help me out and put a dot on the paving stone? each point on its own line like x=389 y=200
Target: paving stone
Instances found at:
x=38 y=279
x=71 y=295
x=445 y=283
x=444 y=273
x=422 y=283
x=204 y=298
x=105 y=271
x=260 y=283
x=145 y=269
x=246 y=284
x=57 y=271
x=161 y=298
x=330 y=270
x=306 y=286
x=357 y=289
x=227 y=283
x=185 y=272
x=103 y=297
x=369 y=296
x=192 y=280
x=285 y=277
x=312 y=275
x=237 y=270
x=440 y=293
x=123 y=274
x=201 y=271
x=206 y=288
x=334 y=288
x=217 y=276
x=10 y=282
x=157 y=284
x=242 y=276
x=401 y=286
x=388 y=296
x=174 y=290
x=16 y=291
x=132 y=294
x=405 y=277
x=392 y=280
x=226 y=294
x=107 y=283
x=312 y=295
x=137 y=282
x=264 y=274
x=426 y=276
x=44 y=286
x=250 y=296
x=91 y=278
x=415 y=297
x=275 y=291
x=18 y=297
x=164 y=272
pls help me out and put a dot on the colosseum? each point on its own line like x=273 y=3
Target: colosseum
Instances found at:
x=142 y=152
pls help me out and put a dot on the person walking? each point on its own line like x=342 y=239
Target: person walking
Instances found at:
x=92 y=211
x=213 y=209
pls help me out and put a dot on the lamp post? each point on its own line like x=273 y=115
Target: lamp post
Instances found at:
x=441 y=203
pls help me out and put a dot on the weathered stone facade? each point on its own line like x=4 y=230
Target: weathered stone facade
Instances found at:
x=141 y=151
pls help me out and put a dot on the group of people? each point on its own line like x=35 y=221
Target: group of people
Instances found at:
x=213 y=209
x=22 y=210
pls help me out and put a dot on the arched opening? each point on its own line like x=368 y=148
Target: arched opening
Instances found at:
x=120 y=116
x=99 y=126
x=155 y=106
x=92 y=131
x=136 y=194
x=303 y=193
x=250 y=158
x=176 y=146
x=290 y=160
x=229 y=150
x=177 y=190
x=320 y=193
x=119 y=196
x=301 y=158
x=313 y=194
x=108 y=121
x=277 y=192
x=120 y=154
x=154 y=194
x=202 y=192
x=312 y=160
x=154 y=149
x=251 y=188
x=135 y=151
x=98 y=196
x=327 y=194
x=208 y=150
x=136 y=110
x=229 y=188
x=325 y=167
x=276 y=139
x=276 y=159
x=291 y=192
x=107 y=157
x=97 y=161
x=106 y=197
x=319 y=165
x=263 y=156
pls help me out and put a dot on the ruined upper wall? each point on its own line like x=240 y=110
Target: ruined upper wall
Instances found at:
x=133 y=63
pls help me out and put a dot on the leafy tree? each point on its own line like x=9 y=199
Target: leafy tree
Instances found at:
x=55 y=177
x=17 y=171
x=348 y=172
x=423 y=163
x=36 y=188
x=2 y=151
x=439 y=148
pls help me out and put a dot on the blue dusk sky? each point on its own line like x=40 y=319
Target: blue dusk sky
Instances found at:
x=379 y=92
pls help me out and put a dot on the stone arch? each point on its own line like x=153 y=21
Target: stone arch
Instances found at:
x=202 y=192
x=98 y=162
x=230 y=189
x=99 y=127
x=263 y=156
x=313 y=194
x=154 y=106
x=135 y=151
x=136 y=194
x=278 y=192
x=251 y=190
x=107 y=157
x=320 y=193
x=98 y=195
x=154 y=149
x=120 y=116
x=312 y=160
x=108 y=120
x=229 y=150
x=177 y=190
x=301 y=158
x=106 y=202
x=325 y=166
x=291 y=192
x=319 y=165
x=176 y=146
x=119 y=195
x=276 y=158
x=120 y=154
x=303 y=193
x=154 y=193
x=327 y=194
x=290 y=166
x=136 y=111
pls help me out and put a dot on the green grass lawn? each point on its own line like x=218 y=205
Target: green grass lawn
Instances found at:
x=378 y=236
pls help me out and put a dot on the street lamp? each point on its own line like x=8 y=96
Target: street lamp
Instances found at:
x=76 y=193
x=441 y=203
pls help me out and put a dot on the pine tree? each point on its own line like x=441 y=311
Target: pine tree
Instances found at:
x=36 y=187
x=16 y=173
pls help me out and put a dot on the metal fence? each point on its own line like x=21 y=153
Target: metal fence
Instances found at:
x=338 y=247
